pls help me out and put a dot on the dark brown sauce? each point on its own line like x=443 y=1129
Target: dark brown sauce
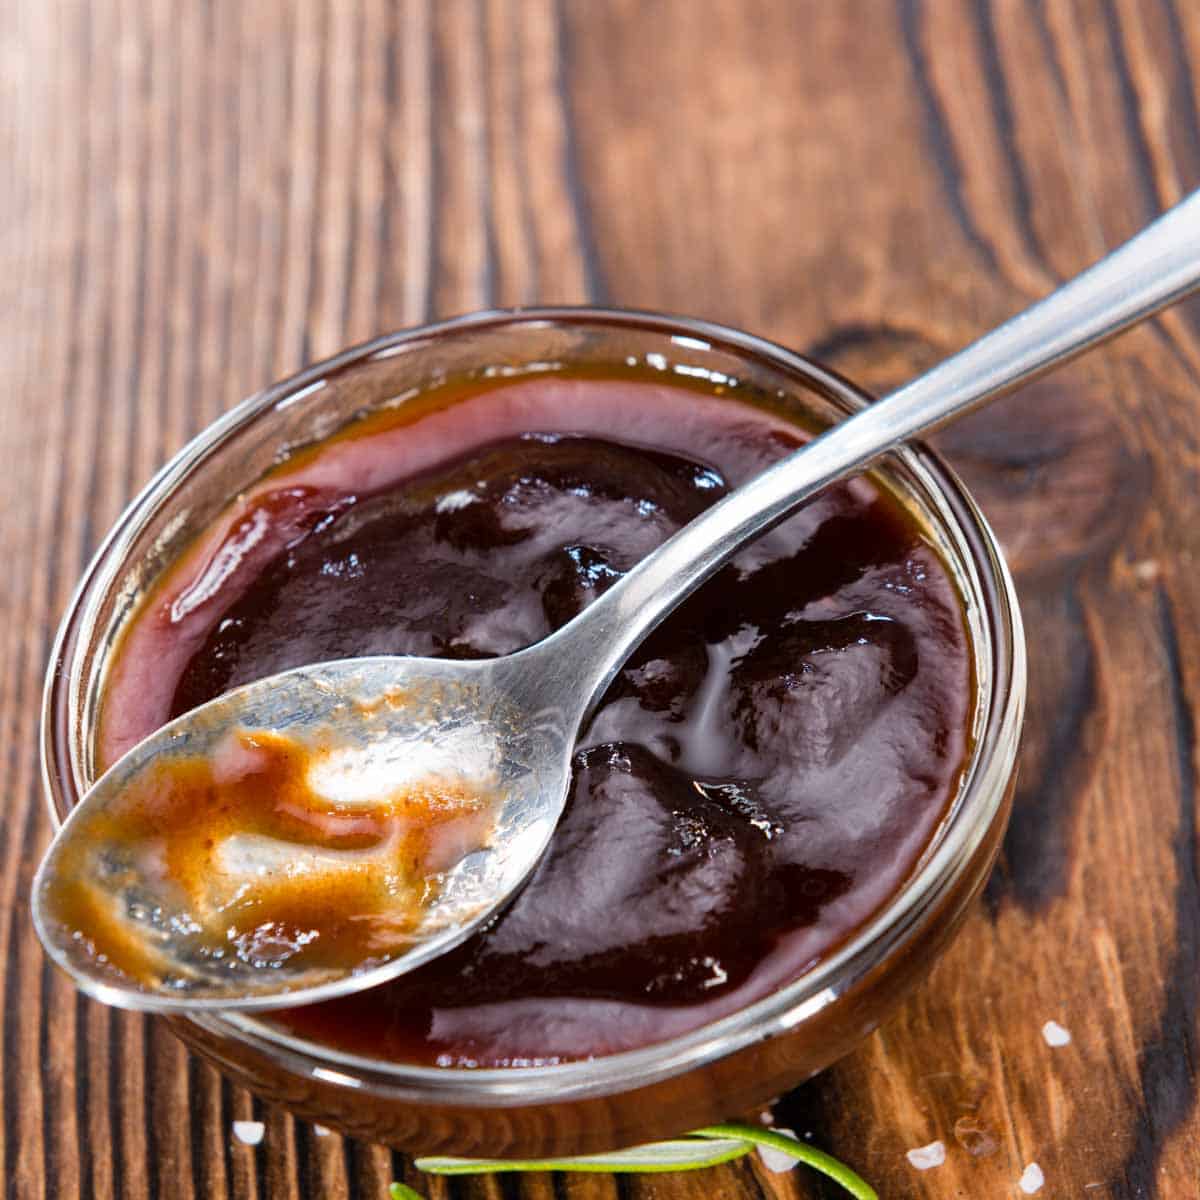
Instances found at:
x=759 y=780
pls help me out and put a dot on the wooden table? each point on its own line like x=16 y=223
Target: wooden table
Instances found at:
x=196 y=198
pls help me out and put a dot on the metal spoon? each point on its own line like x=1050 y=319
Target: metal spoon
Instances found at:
x=510 y=723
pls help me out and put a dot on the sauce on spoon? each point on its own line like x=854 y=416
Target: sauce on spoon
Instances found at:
x=259 y=856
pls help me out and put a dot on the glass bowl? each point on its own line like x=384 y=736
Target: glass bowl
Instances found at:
x=728 y=1067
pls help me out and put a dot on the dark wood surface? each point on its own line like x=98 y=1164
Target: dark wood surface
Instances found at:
x=196 y=198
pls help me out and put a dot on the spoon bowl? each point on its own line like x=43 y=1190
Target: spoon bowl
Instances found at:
x=367 y=728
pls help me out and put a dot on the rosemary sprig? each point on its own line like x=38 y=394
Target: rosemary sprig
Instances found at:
x=401 y=1191
x=818 y=1160
x=703 y=1148
x=681 y=1154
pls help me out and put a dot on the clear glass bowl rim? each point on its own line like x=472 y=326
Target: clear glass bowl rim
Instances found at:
x=979 y=805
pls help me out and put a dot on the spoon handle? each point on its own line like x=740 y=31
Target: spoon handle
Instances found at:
x=1156 y=267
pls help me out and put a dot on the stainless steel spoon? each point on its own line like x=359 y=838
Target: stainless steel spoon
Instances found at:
x=511 y=723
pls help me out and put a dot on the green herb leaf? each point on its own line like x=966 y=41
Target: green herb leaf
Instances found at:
x=682 y=1154
x=703 y=1148
x=809 y=1155
x=401 y=1191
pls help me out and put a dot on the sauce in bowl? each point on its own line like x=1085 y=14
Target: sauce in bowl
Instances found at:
x=762 y=777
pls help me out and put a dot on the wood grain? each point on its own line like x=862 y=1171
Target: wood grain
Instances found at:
x=197 y=198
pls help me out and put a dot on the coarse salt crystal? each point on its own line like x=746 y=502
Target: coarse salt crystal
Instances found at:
x=766 y=1117
x=1055 y=1034
x=321 y=1130
x=776 y=1160
x=1032 y=1179
x=925 y=1157
x=249 y=1132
